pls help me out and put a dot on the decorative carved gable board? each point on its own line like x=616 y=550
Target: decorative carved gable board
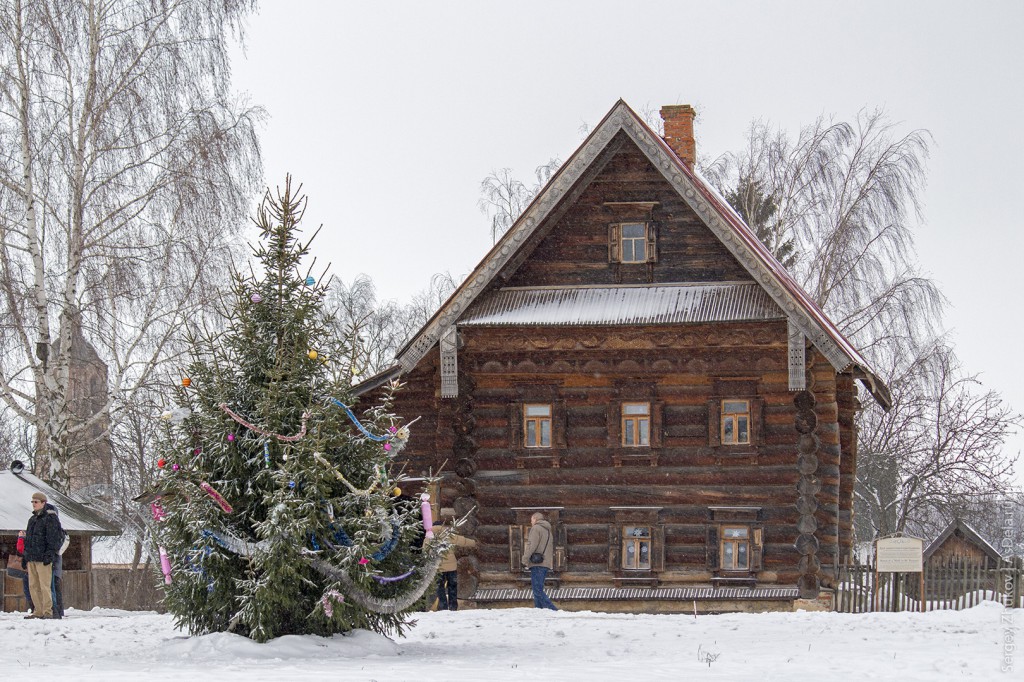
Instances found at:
x=797 y=359
x=450 y=363
x=801 y=314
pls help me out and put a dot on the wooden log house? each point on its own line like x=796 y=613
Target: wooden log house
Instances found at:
x=631 y=360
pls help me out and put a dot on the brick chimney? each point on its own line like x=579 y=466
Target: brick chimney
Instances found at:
x=679 y=131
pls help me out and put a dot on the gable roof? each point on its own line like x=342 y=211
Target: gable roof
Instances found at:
x=969 y=534
x=710 y=207
x=76 y=518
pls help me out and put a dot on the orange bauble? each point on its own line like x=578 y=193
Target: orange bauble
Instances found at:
x=186 y=382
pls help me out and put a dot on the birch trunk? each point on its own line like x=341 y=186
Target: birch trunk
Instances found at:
x=118 y=212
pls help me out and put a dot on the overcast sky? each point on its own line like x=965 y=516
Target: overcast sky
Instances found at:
x=391 y=114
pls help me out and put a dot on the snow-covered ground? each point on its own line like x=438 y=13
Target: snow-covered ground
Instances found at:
x=528 y=644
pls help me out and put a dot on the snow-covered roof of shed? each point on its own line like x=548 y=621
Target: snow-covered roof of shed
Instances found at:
x=643 y=305
x=968 y=532
x=15 y=507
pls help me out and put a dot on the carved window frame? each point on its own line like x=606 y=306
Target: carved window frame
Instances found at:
x=624 y=518
x=723 y=518
x=617 y=238
x=735 y=389
x=632 y=391
x=527 y=456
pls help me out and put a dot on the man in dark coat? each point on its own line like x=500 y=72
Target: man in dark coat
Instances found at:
x=42 y=543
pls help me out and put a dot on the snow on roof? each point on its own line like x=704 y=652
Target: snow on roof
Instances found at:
x=968 y=532
x=570 y=306
x=15 y=507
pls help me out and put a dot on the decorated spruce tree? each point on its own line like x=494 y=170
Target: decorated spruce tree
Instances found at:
x=279 y=509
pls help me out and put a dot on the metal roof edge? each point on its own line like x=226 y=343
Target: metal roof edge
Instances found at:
x=377 y=380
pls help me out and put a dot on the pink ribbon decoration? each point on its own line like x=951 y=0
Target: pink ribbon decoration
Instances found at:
x=158 y=511
x=165 y=565
x=428 y=518
x=217 y=497
x=328 y=601
x=263 y=432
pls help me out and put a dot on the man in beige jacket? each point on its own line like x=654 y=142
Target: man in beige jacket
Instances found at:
x=541 y=543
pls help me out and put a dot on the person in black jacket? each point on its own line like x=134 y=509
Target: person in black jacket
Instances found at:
x=42 y=543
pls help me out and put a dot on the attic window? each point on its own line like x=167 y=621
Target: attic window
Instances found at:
x=632 y=242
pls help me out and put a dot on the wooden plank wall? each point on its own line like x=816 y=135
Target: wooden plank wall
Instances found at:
x=573 y=249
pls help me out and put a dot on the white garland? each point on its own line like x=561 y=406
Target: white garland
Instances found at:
x=377 y=604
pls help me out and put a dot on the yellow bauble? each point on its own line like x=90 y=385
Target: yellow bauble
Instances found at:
x=313 y=355
x=398 y=491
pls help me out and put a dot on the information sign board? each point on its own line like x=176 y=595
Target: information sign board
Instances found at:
x=899 y=555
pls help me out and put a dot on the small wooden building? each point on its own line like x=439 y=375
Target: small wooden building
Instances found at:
x=631 y=360
x=960 y=542
x=80 y=522
x=959 y=561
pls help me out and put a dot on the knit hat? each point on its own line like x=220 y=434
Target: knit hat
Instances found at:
x=39 y=496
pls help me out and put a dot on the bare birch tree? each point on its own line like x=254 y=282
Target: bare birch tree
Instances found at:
x=846 y=196
x=503 y=197
x=124 y=172
x=374 y=330
x=839 y=204
x=938 y=450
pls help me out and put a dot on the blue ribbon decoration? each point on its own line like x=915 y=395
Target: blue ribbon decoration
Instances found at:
x=359 y=425
x=388 y=546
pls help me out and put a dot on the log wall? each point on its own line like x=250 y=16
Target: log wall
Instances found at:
x=587 y=471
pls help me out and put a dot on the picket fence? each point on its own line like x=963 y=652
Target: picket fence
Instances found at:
x=949 y=584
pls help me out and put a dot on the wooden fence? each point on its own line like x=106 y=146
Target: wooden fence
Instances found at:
x=948 y=584
x=76 y=591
